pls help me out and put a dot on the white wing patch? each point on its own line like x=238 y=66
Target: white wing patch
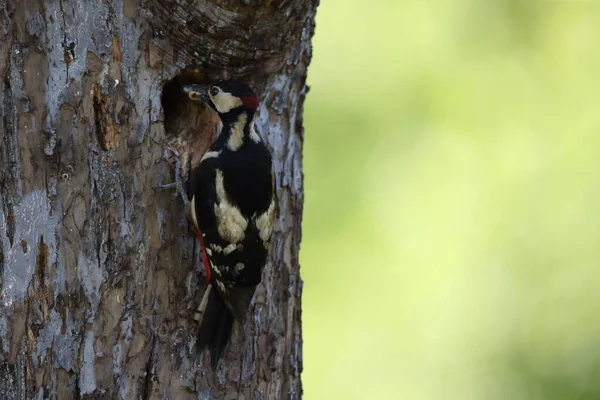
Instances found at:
x=216 y=269
x=216 y=247
x=231 y=224
x=193 y=210
x=264 y=223
x=210 y=154
x=221 y=286
x=229 y=248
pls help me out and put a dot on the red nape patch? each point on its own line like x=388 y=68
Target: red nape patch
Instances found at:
x=250 y=101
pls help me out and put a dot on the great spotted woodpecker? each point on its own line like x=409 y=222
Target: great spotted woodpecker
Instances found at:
x=233 y=210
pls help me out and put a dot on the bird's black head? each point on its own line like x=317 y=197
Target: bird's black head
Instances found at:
x=225 y=96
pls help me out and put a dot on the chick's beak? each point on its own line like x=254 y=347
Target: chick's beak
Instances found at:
x=196 y=92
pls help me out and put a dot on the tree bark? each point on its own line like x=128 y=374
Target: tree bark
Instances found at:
x=99 y=275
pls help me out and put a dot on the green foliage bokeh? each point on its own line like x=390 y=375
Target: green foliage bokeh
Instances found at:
x=451 y=237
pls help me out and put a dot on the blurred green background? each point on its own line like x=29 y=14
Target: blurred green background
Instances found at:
x=451 y=239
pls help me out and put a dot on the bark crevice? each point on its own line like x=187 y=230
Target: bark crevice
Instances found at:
x=10 y=161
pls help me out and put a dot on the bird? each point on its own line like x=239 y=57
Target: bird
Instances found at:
x=232 y=208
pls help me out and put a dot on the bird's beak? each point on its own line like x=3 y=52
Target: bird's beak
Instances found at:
x=196 y=92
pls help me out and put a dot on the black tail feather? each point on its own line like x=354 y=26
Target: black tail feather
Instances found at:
x=215 y=329
x=222 y=335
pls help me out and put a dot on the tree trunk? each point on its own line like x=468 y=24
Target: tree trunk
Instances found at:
x=99 y=275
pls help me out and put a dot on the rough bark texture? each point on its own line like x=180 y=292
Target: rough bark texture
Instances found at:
x=99 y=276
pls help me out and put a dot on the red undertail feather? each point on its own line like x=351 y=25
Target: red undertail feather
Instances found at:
x=204 y=255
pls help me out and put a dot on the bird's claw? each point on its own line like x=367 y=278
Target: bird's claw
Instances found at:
x=179 y=190
x=178 y=185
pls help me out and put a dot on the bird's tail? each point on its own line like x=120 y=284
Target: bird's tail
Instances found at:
x=215 y=326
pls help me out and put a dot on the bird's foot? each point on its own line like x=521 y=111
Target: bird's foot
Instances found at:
x=178 y=185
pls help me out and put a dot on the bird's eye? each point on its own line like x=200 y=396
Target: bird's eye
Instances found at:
x=214 y=91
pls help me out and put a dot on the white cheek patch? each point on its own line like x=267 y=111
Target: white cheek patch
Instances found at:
x=264 y=223
x=225 y=102
x=231 y=224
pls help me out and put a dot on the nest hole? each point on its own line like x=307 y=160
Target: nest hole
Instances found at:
x=190 y=126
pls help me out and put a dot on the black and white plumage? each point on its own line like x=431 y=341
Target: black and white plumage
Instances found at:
x=233 y=208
